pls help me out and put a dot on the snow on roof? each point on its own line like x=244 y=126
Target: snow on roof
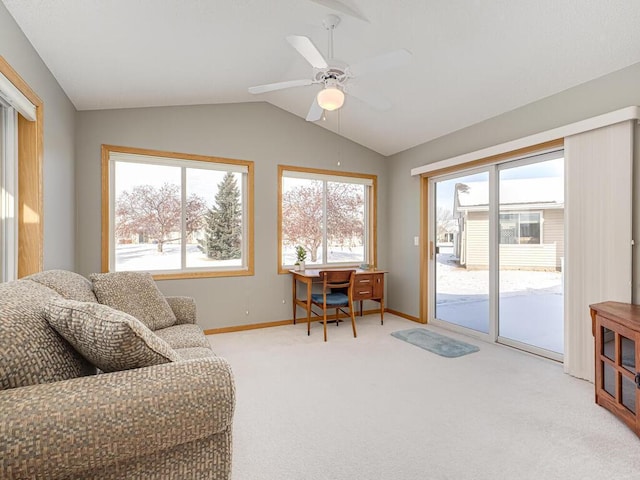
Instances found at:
x=514 y=191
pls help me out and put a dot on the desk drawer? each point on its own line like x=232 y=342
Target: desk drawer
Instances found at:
x=364 y=280
x=362 y=292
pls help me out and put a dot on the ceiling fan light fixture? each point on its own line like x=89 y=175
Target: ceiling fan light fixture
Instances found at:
x=330 y=98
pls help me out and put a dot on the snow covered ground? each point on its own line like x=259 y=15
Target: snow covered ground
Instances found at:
x=531 y=302
x=145 y=257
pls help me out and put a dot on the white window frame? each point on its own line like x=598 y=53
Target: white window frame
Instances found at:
x=370 y=204
x=519 y=213
x=113 y=155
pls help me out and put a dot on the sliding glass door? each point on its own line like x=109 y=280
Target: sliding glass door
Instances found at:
x=462 y=251
x=497 y=253
x=531 y=254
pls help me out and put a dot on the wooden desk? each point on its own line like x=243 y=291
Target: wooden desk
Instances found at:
x=368 y=285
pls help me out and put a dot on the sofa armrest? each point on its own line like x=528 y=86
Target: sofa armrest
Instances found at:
x=184 y=309
x=62 y=429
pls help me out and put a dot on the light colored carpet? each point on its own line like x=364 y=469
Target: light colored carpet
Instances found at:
x=377 y=408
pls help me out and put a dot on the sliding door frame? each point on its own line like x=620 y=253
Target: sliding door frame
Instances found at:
x=30 y=196
x=502 y=166
x=427 y=231
x=492 y=253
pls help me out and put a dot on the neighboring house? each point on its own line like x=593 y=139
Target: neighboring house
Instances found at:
x=447 y=227
x=531 y=231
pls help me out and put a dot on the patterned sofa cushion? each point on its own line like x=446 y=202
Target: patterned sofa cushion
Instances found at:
x=184 y=336
x=109 y=339
x=31 y=351
x=70 y=285
x=194 y=352
x=135 y=293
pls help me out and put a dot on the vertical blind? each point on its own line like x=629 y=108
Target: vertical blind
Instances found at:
x=598 y=229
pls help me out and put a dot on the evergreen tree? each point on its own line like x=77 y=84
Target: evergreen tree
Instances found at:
x=223 y=232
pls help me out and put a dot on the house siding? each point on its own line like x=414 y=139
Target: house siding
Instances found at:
x=546 y=256
x=553 y=232
x=477 y=240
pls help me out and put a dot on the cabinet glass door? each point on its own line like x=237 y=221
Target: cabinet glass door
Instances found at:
x=628 y=363
x=617 y=352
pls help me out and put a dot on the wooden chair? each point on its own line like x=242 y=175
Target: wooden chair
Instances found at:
x=333 y=280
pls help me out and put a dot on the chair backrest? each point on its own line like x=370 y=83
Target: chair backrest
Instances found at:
x=337 y=278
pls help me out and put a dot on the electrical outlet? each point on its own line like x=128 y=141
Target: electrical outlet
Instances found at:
x=247 y=312
x=284 y=301
x=416 y=241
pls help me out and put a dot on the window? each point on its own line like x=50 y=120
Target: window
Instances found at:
x=330 y=214
x=177 y=215
x=520 y=228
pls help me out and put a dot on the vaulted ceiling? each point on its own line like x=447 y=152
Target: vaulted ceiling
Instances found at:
x=471 y=59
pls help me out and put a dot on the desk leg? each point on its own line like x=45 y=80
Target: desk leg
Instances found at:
x=294 y=295
x=361 y=302
x=309 y=285
x=382 y=311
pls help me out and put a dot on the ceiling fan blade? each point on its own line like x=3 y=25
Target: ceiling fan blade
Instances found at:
x=341 y=7
x=397 y=58
x=376 y=100
x=315 y=112
x=308 y=50
x=270 y=87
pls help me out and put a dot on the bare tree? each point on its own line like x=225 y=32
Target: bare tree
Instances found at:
x=302 y=217
x=196 y=210
x=445 y=222
x=155 y=213
x=345 y=208
x=302 y=212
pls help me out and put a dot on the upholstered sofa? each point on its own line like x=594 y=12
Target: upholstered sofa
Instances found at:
x=166 y=415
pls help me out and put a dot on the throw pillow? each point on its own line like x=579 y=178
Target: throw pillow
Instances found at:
x=68 y=284
x=109 y=339
x=135 y=293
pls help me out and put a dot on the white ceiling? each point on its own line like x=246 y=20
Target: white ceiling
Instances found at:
x=472 y=59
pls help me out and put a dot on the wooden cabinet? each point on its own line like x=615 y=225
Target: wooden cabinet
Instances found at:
x=616 y=330
x=368 y=286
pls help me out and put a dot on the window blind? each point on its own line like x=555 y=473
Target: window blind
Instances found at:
x=598 y=230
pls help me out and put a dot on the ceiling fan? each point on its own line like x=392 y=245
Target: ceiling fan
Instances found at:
x=336 y=76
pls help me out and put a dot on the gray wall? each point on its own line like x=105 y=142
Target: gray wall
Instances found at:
x=59 y=139
x=268 y=136
x=617 y=90
x=251 y=131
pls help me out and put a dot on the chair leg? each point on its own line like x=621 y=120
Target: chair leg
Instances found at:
x=353 y=319
x=308 y=326
x=337 y=317
x=324 y=322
